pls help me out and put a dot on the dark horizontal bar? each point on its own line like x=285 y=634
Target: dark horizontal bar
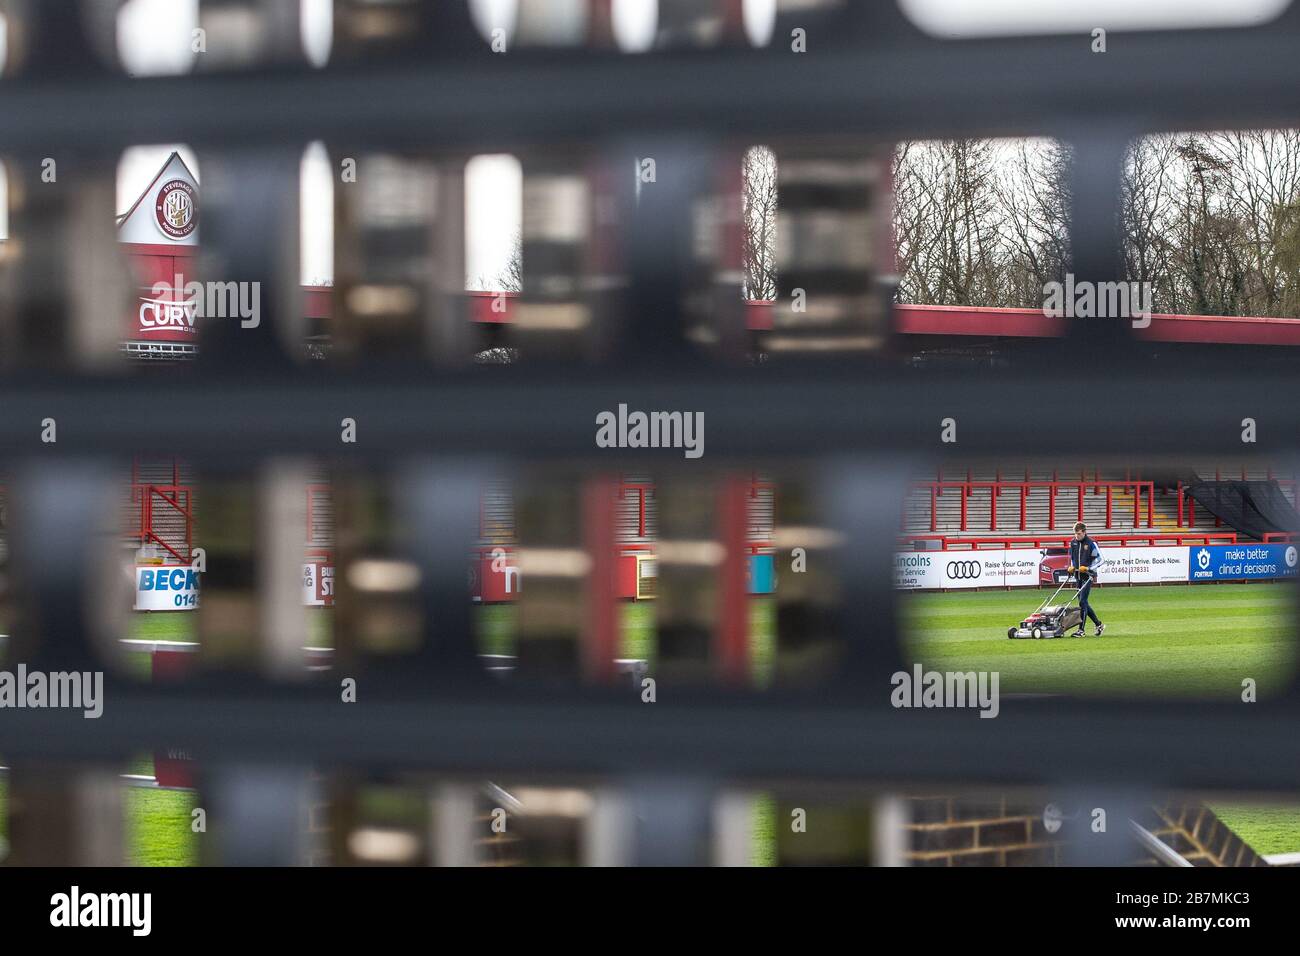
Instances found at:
x=748 y=412
x=1189 y=744
x=908 y=87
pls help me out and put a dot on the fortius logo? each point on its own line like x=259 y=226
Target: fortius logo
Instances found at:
x=1099 y=300
x=624 y=429
x=177 y=305
x=75 y=908
x=79 y=690
x=955 y=689
x=1203 y=561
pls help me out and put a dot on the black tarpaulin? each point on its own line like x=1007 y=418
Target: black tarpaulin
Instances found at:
x=1253 y=507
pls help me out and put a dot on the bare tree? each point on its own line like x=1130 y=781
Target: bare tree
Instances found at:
x=758 y=213
x=510 y=278
x=949 y=224
x=1147 y=189
x=1212 y=221
x=1034 y=197
x=1260 y=187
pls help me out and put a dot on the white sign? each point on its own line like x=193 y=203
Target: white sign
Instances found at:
x=318 y=584
x=953 y=570
x=1145 y=565
x=166 y=588
x=1020 y=567
x=918 y=569
x=966 y=569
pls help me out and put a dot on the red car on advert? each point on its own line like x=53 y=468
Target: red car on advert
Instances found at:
x=1053 y=566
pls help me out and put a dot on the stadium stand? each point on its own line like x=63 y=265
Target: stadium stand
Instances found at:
x=992 y=500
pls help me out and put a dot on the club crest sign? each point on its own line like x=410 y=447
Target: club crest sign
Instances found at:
x=176 y=209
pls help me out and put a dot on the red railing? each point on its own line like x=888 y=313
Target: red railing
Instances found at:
x=179 y=498
x=1080 y=489
x=642 y=489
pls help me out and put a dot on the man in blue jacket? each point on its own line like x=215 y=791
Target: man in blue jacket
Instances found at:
x=1085 y=562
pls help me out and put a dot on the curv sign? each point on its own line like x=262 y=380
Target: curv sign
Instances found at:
x=166 y=315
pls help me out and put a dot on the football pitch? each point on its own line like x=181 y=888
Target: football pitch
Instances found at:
x=1200 y=641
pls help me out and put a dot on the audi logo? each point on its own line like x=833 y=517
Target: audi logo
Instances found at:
x=964 y=570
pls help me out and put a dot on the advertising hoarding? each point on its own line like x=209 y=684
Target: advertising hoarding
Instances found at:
x=166 y=588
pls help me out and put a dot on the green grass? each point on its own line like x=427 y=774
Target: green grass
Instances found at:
x=157 y=822
x=1268 y=830
x=158 y=829
x=1165 y=641
x=763 y=837
x=762 y=639
x=1174 y=640
x=496 y=628
x=157 y=626
x=320 y=626
x=164 y=626
x=637 y=630
x=183 y=626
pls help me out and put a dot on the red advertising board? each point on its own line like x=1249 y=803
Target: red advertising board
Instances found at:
x=173 y=768
x=495 y=577
x=161 y=312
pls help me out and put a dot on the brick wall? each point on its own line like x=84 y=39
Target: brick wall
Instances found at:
x=946 y=830
x=1200 y=837
x=977 y=831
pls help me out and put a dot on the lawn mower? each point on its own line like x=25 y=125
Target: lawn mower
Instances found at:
x=1051 y=619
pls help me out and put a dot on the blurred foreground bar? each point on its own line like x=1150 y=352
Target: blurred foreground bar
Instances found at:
x=827 y=296
x=400 y=258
